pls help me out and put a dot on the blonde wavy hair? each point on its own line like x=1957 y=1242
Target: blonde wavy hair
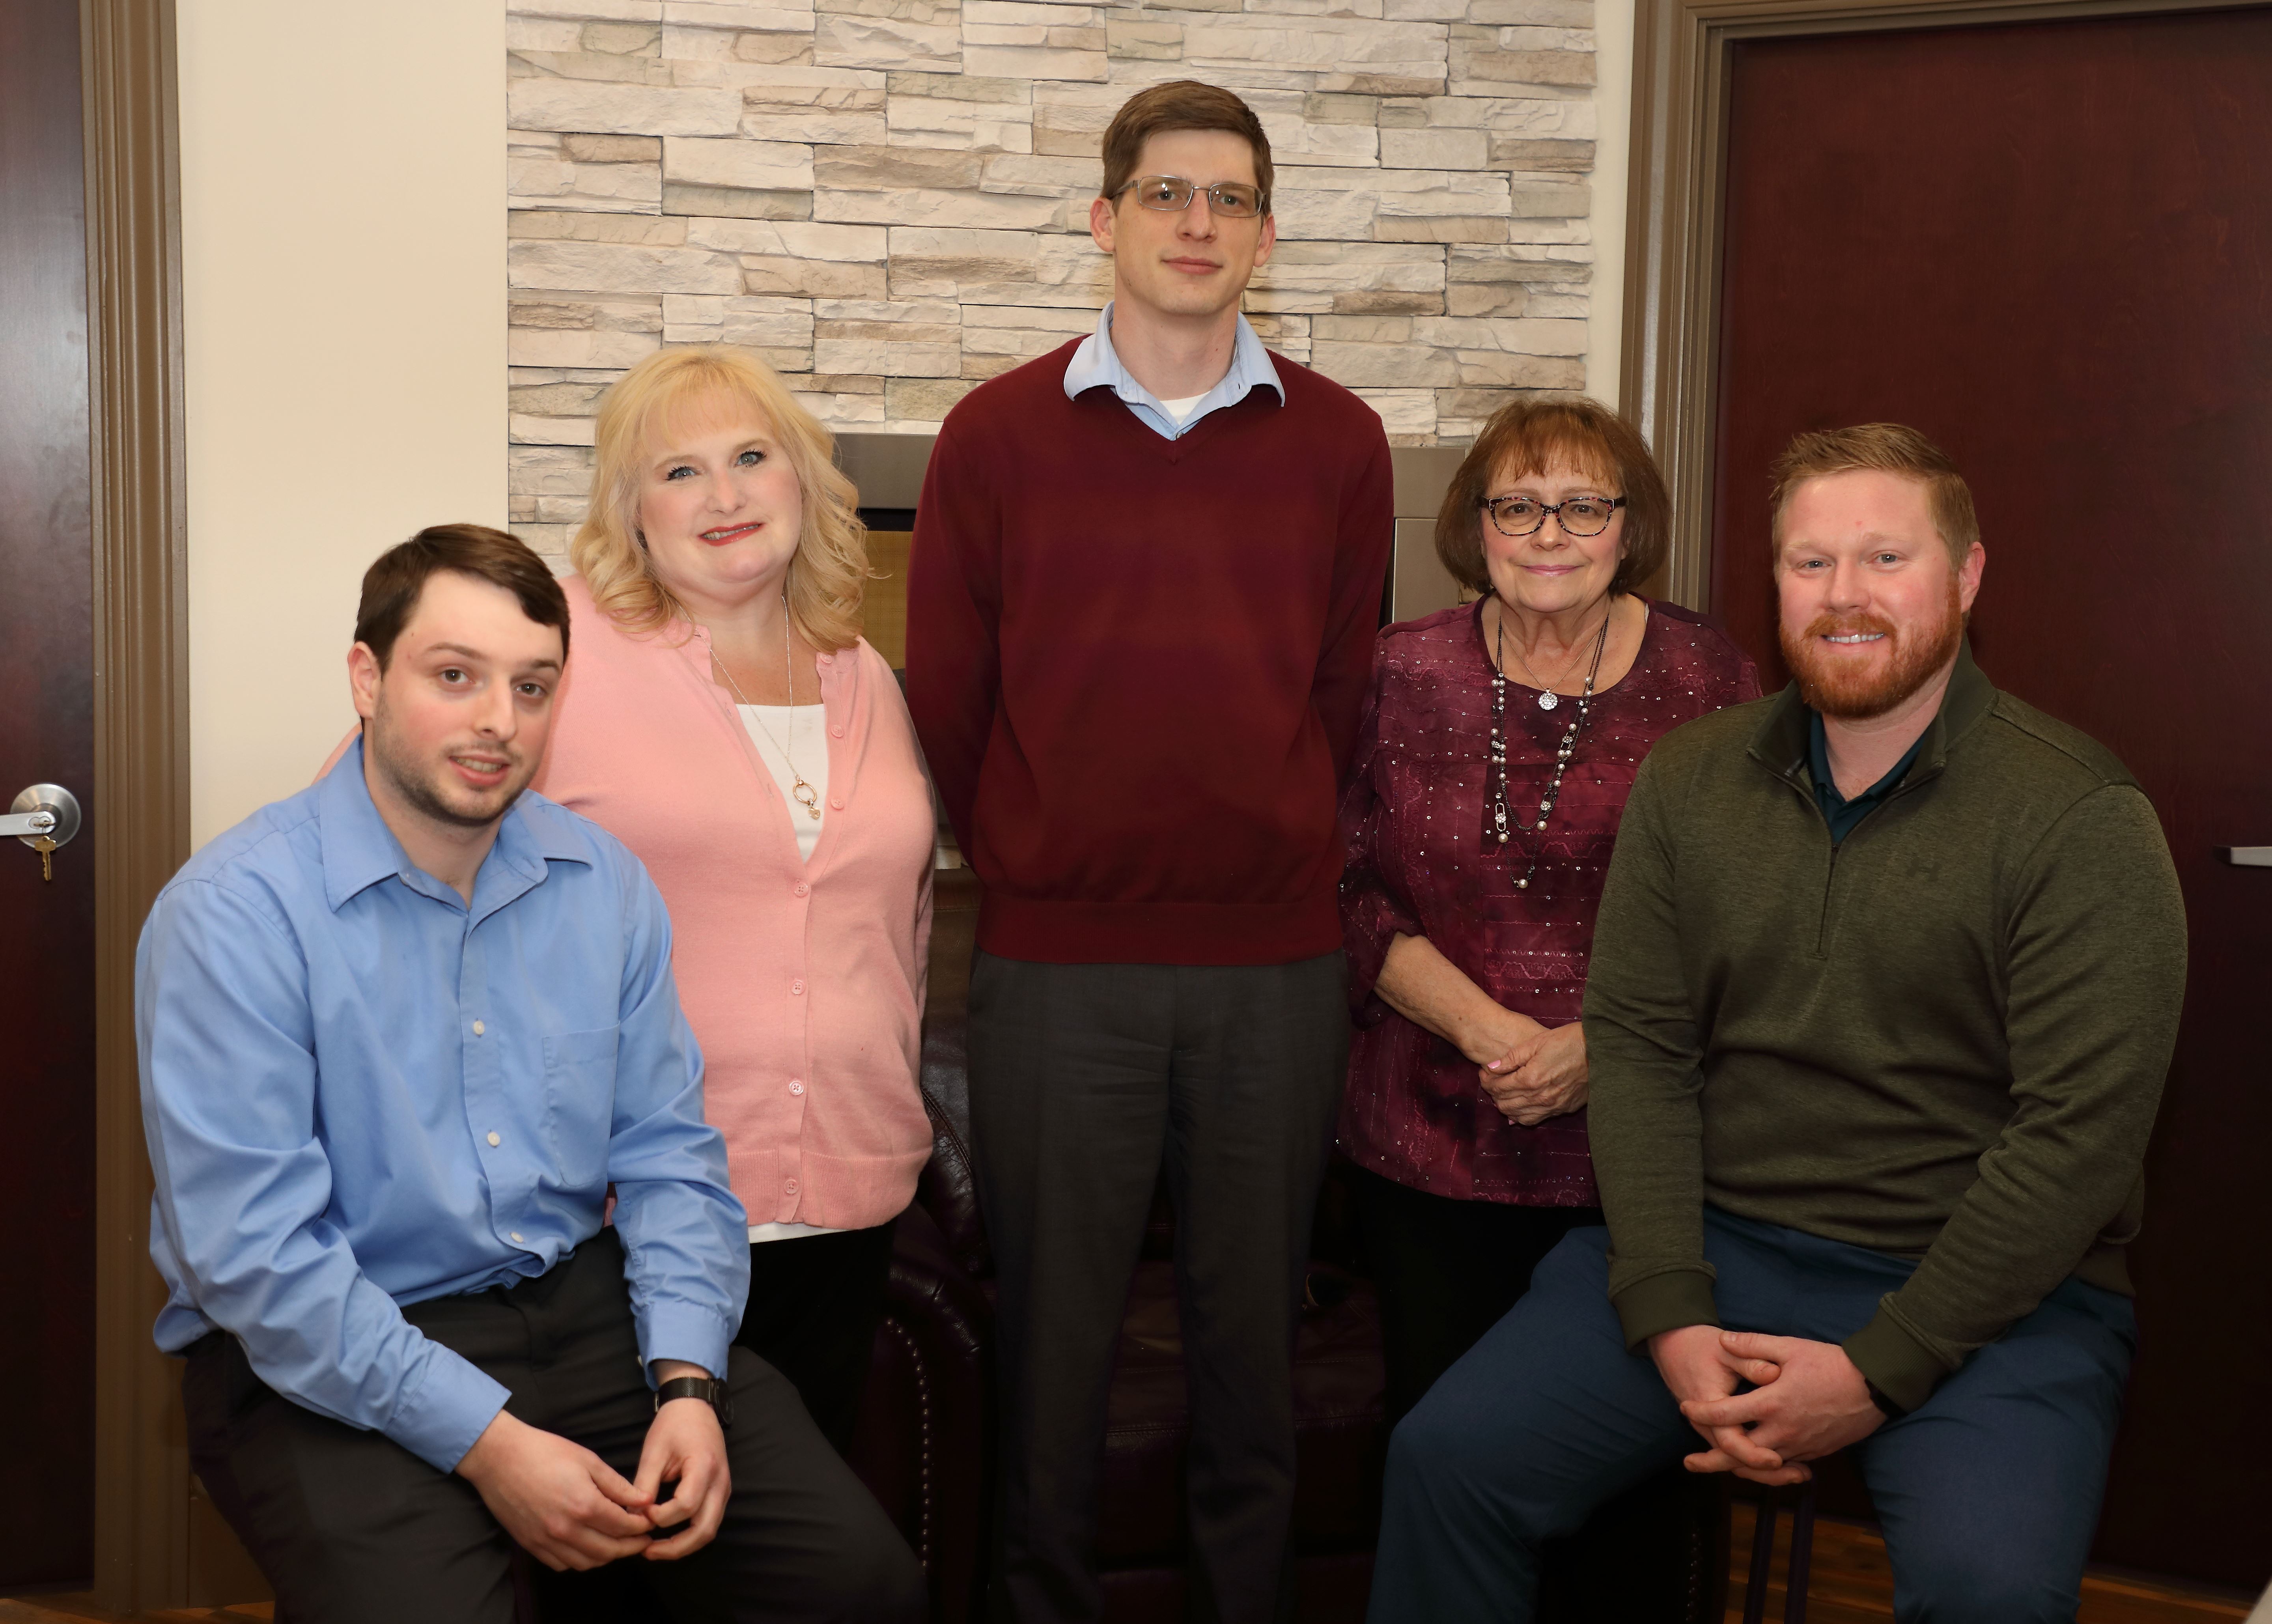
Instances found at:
x=829 y=574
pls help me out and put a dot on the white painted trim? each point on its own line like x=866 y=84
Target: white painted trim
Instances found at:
x=1613 y=59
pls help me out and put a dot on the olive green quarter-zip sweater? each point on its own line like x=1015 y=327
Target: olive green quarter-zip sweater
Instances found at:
x=1945 y=1037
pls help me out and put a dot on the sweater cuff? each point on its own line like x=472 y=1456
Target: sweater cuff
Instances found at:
x=1664 y=1302
x=1895 y=1362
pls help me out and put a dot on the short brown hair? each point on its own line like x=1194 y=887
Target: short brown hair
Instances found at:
x=391 y=586
x=1885 y=448
x=1528 y=437
x=1180 y=104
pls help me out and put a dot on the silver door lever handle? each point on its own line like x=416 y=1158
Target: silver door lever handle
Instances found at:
x=43 y=811
x=2246 y=857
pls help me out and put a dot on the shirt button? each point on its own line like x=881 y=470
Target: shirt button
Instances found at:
x=836 y=802
x=479 y=1028
x=496 y=1141
x=516 y=1234
x=836 y=731
x=797 y=987
x=789 y=1186
x=828 y=659
x=803 y=889
x=796 y=1085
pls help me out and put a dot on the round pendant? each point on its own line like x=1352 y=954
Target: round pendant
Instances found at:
x=1549 y=699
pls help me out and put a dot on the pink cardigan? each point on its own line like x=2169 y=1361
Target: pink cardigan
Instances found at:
x=803 y=982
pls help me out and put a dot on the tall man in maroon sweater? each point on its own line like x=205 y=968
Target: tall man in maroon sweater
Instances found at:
x=1146 y=574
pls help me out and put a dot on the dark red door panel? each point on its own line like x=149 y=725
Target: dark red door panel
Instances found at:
x=2050 y=247
x=46 y=929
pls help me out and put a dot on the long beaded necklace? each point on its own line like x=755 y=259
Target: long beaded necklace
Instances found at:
x=805 y=795
x=1547 y=700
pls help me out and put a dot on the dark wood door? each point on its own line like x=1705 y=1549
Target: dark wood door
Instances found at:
x=2050 y=247
x=46 y=929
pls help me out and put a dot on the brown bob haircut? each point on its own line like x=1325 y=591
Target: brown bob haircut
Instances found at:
x=1530 y=436
x=1884 y=448
x=1180 y=104
x=391 y=586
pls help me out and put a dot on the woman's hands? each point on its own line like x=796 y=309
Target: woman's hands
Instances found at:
x=1543 y=1075
x=1531 y=1072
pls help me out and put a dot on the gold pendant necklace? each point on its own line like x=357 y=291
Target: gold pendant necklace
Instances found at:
x=804 y=793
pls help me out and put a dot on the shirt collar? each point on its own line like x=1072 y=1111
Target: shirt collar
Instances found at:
x=1096 y=364
x=1826 y=784
x=1783 y=741
x=360 y=851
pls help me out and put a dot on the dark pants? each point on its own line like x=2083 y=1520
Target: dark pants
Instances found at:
x=1988 y=1493
x=350 y=1526
x=815 y=1302
x=1082 y=1077
x=1446 y=1272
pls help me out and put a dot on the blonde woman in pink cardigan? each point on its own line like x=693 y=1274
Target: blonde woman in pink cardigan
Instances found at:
x=724 y=719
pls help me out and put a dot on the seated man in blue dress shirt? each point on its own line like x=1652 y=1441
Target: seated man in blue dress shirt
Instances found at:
x=400 y=1035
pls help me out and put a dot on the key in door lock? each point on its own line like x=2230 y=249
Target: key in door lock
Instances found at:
x=44 y=817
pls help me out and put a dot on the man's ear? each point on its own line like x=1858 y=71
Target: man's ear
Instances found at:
x=362 y=680
x=1967 y=576
x=1101 y=222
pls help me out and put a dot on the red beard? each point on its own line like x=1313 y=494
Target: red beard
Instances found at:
x=1838 y=686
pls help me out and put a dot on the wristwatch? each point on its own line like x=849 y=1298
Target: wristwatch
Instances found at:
x=710 y=1392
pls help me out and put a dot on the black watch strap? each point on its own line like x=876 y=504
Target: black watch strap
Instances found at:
x=710 y=1392
x=1891 y=1411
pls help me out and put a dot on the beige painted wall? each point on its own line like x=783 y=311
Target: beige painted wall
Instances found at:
x=343 y=278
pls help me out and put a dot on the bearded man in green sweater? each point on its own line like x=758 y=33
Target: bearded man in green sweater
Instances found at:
x=1884 y=987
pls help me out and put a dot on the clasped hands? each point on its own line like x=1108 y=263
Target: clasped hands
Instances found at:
x=569 y=1509
x=1531 y=1072
x=1807 y=1401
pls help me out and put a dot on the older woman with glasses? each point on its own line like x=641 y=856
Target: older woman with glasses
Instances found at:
x=1497 y=748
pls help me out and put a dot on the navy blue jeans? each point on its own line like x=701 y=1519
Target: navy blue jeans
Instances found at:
x=1988 y=1493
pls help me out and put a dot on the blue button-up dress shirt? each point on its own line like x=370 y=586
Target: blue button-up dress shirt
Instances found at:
x=359 y=1093
x=1095 y=365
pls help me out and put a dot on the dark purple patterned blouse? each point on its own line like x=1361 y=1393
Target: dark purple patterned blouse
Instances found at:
x=1414 y=819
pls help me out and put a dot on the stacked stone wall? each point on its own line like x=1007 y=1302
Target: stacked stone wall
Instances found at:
x=889 y=198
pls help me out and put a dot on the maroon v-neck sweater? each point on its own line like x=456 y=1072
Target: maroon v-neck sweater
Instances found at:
x=1136 y=663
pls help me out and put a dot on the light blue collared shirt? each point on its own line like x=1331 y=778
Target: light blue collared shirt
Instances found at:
x=1096 y=364
x=361 y=1093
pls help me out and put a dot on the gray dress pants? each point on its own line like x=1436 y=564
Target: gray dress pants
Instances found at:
x=1084 y=1078
x=353 y=1529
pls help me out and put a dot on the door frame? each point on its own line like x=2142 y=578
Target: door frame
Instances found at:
x=1677 y=187
x=140 y=826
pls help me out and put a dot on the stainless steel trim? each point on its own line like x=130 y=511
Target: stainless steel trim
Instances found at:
x=888 y=468
x=1418 y=583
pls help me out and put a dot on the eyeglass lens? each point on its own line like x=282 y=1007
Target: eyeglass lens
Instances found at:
x=1169 y=192
x=1578 y=516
